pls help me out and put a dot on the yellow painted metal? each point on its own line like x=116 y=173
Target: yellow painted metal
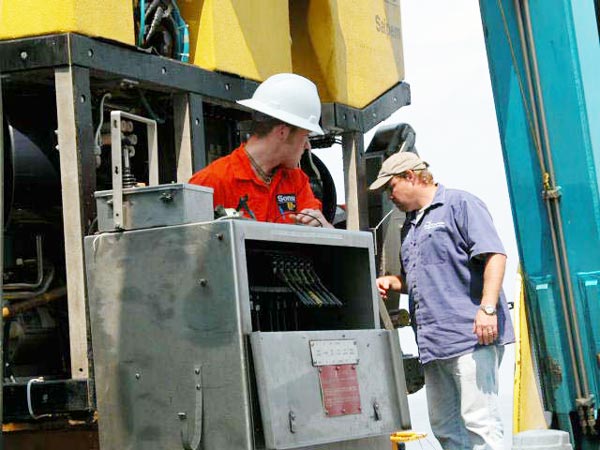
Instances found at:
x=351 y=49
x=110 y=19
x=247 y=38
x=528 y=412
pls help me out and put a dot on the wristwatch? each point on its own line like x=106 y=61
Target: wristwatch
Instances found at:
x=488 y=309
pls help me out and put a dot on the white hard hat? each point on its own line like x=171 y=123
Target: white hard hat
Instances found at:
x=290 y=98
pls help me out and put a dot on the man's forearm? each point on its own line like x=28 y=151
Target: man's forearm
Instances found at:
x=388 y=283
x=493 y=274
x=396 y=283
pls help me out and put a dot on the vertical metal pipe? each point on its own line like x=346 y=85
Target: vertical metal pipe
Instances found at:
x=78 y=181
x=1 y=265
x=527 y=63
x=188 y=121
x=182 y=123
x=196 y=108
x=538 y=88
x=355 y=181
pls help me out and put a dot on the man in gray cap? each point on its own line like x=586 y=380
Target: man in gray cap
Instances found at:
x=452 y=264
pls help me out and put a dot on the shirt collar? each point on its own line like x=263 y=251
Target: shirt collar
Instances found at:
x=242 y=168
x=439 y=198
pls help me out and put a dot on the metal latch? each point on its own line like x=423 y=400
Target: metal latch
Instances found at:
x=376 y=411
x=292 y=421
x=167 y=197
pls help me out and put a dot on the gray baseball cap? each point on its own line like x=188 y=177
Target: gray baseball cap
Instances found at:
x=395 y=165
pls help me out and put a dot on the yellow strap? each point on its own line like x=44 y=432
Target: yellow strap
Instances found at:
x=406 y=436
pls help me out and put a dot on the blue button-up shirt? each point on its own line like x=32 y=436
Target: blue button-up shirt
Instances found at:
x=443 y=272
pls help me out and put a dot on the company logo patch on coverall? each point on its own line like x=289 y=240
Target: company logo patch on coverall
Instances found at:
x=286 y=203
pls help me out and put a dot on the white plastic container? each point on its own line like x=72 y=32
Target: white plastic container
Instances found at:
x=542 y=440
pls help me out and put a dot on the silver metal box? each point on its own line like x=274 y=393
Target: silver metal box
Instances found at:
x=181 y=361
x=156 y=206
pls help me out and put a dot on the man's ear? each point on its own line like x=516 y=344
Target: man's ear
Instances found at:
x=282 y=131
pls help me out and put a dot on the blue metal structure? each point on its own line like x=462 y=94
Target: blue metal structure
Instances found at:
x=544 y=60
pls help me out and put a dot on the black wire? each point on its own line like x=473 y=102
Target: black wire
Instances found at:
x=148 y=108
x=285 y=213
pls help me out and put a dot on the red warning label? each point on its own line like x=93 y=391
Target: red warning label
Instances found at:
x=339 y=389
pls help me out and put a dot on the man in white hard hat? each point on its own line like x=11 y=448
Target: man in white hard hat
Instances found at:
x=263 y=174
x=452 y=269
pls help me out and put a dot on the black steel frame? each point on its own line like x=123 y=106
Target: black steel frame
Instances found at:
x=118 y=61
x=81 y=61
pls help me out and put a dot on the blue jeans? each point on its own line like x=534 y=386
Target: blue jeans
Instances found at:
x=462 y=398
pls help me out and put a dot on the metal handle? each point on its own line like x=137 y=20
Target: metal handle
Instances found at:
x=117 y=159
x=192 y=438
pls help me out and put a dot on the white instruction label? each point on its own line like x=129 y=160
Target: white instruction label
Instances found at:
x=334 y=352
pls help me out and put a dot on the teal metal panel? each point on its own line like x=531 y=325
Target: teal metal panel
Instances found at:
x=585 y=36
x=567 y=48
x=549 y=331
x=569 y=127
x=522 y=169
x=589 y=286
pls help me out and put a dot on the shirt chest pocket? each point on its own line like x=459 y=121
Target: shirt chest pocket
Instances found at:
x=433 y=246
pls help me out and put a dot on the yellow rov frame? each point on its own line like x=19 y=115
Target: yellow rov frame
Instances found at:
x=351 y=50
x=107 y=19
x=113 y=20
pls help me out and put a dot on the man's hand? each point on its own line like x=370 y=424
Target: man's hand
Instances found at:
x=486 y=328
x=311 y=217
x=386 y=283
